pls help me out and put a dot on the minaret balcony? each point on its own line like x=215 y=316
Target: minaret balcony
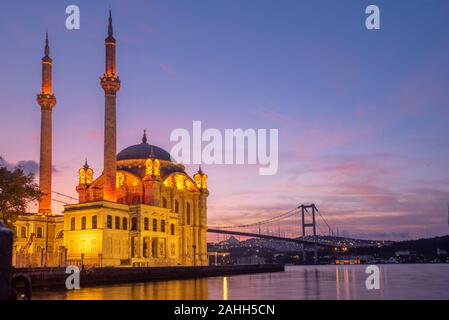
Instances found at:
x=110 y=83
x=46 y=101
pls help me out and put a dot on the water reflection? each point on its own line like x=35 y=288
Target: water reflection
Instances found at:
x=300 y=282
x=225 y=288
x=195 y=289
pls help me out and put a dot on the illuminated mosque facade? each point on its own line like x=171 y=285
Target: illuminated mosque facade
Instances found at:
x=143 y=210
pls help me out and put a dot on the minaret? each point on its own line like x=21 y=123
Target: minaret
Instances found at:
x=110 y=84
x=47 y=101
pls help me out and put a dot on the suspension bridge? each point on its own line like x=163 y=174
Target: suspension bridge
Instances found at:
x=290 y=226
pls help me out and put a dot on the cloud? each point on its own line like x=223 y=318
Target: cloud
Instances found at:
x=94 y=134
x=168 y=69
x=372 y=192
x=371 y=196
x=375 y=235
x=28 y=166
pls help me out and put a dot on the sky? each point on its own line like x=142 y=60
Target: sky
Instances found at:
x=363 y=115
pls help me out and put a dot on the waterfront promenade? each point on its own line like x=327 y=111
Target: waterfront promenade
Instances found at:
x=56 y=277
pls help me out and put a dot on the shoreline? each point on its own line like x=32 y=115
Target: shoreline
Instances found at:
x=55 y=277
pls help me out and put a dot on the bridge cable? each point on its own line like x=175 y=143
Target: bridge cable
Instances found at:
x=276 y=218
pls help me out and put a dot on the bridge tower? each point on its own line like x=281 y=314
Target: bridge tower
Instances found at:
x=309 y=225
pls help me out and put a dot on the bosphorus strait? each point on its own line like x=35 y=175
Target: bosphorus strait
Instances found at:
x=400 y=281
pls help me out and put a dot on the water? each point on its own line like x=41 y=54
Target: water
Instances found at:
x=417 y=281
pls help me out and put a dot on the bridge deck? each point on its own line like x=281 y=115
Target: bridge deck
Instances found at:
x=264 y=236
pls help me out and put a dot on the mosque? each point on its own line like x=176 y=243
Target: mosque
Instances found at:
x=143 y=210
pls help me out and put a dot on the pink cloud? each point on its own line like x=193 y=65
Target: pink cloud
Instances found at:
x=168 y=69
x=94 y=134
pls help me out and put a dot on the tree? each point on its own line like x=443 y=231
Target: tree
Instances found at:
x=17 y=188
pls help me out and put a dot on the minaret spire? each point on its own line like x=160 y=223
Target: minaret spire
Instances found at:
x=47 y=47
x=46 y=101
x=110 y=83
x=110 y=27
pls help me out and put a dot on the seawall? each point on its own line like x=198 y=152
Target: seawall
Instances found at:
x=56 y=277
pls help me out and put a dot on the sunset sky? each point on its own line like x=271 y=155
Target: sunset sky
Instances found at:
x=363 y=116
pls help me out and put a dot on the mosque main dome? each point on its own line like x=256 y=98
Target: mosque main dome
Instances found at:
x=143 y=151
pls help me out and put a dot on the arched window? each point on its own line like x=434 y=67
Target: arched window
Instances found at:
x=146 y=223
x=83 y=223
x=117 y=223
x=145 y=249
x=134 y=224
x=164 y=202
x=125 y=223
x=23 y=232
x=176 y=206
x=72 y=223
x=109 y=222
x=39 y=232
x=154 y=224
x=136 y=200
x=188 y=214
x=162 y=225
x=172 y=229
x=94 y=222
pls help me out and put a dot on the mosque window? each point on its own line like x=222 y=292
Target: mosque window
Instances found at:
x=154 y=224
x=72 y=223
x=134 y=224
x=109 y=222
x=83 y=223
x=125 y=223
x=94 y=222
x=146 y=223
x=117 y=223
x=176 y=206
x=172 y=229
x=188 y=214
x=136 y=200
x=164 y=203
x=23 y=232
x=145 y=249
x=162 y=225
x=39 y=232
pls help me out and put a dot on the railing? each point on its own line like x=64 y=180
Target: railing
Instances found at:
x=39 y=259
x=85 y=260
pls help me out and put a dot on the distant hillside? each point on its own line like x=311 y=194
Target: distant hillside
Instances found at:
x=421 y=246
x=356 y=246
